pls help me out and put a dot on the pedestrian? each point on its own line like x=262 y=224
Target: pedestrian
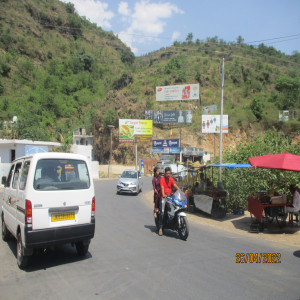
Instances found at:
x=295 y=205
x=157 y=190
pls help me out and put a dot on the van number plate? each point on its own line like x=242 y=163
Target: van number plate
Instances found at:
x=63 y=216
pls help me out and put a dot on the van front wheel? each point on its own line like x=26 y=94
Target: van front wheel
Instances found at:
x=22 y=260
x=82 y=248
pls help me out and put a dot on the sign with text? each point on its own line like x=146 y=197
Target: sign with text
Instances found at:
x=211 y=124
x=165 y=143
x=129 y=128
x=177 y=92
x=143 y=138
x=193 y=151
x=169 y=116
x=167 y=150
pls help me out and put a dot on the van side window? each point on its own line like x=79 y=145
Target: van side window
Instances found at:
x=11 y=171
x=24 y=174
x=16 y=175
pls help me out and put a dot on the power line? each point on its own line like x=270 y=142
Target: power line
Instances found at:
x=276 y=38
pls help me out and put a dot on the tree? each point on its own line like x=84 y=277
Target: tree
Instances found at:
x=289 y=88
x=189 y=38
x=257 y=108
x=240 y=40
x=248 y=179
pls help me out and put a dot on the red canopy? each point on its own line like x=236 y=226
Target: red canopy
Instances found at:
x=282 y=161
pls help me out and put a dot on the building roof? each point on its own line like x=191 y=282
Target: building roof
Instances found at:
x=28 y=142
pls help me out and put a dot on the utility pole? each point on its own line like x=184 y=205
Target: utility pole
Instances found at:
x=136 y=156
x=221 y=118
x=221 y=121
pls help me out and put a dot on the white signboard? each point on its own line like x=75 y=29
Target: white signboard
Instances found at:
x=177 y=92
x=211 y=123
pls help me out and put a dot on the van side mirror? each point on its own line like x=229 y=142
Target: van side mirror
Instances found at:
x=4 y=180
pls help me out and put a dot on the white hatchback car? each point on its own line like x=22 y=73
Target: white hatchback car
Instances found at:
x=48 y=199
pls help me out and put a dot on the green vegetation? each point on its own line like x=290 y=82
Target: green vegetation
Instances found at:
x=58 y=72
x=240 y=183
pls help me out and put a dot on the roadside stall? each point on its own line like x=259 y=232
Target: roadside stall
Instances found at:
x=207 y=197
x=265 y=206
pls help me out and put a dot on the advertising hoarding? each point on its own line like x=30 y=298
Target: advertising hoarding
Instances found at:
x=177 y=92
x=167 y=150
x=211 y=124
x=169 y=116
x=165 y=143
x=129 y=128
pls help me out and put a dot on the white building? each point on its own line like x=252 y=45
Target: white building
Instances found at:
x=82 y=143
x=12 y=149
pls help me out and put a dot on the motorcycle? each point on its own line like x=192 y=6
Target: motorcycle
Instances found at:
x=174 y=217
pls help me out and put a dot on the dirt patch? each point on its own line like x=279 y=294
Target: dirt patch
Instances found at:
x=286 y=236
x=114 y=171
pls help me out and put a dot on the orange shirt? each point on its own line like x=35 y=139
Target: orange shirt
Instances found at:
x=167 y=186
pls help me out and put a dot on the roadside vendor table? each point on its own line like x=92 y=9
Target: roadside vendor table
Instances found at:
x=260 y=212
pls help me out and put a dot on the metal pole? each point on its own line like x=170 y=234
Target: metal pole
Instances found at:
x=110 y=156
x=136 y=156
x=221 y=121
x=215 y=145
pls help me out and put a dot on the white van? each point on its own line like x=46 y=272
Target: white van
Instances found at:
x=48 y=199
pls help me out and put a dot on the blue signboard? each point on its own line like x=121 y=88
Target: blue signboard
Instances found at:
x=176 y=150
x=35 y=149
x=158 y=150
x=142 y=167
x=165 y=143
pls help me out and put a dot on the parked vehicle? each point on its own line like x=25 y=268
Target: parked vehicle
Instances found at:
x=161 y=165
x=129 y=182
x=48 y=200
x=179 y=172
x=174 y=217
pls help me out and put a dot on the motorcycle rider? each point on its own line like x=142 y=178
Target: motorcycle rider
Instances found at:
x=166 y=184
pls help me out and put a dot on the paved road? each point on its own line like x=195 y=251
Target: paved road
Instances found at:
x=128 y=260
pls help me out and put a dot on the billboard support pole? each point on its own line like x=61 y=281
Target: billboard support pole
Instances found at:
x=136 y=156
x=215 y=145
x=180 y=153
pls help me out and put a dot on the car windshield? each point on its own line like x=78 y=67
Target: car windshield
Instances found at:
x=61 y=174
x=129 y=174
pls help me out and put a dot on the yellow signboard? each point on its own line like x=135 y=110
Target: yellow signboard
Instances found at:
x=129 y=128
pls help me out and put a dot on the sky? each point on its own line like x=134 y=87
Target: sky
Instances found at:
x=148 y=25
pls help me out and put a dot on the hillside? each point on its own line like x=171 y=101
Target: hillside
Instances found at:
x=58 y=72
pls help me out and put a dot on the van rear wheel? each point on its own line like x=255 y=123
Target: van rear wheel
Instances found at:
x=82 y=248
x=22 y=260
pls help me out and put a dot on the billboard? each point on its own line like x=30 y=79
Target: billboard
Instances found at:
x=168 y=150
x=129 y=128
x=165 y=143
x=169 y=116
x=177 y=92
x=211 y=124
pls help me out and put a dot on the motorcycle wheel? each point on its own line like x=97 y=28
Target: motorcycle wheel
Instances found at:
x=183 y=228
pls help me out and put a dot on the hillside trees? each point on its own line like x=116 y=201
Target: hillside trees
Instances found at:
x=289 y=89
x=249 y=180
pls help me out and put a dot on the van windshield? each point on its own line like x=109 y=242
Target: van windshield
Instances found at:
x=61 y=174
